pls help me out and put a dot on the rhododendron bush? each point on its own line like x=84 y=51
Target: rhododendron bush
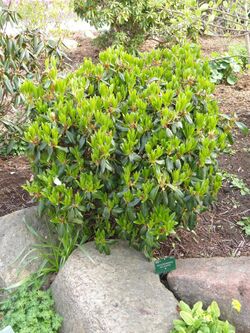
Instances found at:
x=127 y=147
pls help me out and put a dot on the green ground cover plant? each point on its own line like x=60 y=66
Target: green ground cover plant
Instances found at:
x=227 y=67
x=127 y=147
x=198 y=320
x=245 y=225
x=28 y=309
x=236 y=182
x=224 y=69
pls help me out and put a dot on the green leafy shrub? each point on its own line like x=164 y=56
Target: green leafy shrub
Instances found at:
x=197 y=320
x=20 y=59
x=30 y=310
x=130 y=23
x=127 y=147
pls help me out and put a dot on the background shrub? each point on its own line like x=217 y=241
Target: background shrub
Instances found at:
x=47 y=15
x=21 y=57
x=127 y=147
x=130 y=23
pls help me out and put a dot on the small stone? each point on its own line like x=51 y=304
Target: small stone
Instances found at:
x=219 y=279
x=112 y=294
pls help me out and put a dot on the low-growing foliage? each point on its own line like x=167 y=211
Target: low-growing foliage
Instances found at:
x=245 y=225
x=28 y=309
x=237 y=183
x=197 y=320
x=53 y=251
x=224 y=69
x=127 y=147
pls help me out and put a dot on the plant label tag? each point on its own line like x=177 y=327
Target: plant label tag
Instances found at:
x=165 y=265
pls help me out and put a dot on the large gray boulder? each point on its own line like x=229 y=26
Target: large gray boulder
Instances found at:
x=16 y=243
x=119 y=293
x=219 y=279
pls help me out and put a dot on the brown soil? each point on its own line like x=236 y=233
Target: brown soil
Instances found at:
x=86 y=49
x=218 y=44
x=217 y=233
x=14 y=172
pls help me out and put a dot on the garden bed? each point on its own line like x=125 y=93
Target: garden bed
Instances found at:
x=217 y=233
